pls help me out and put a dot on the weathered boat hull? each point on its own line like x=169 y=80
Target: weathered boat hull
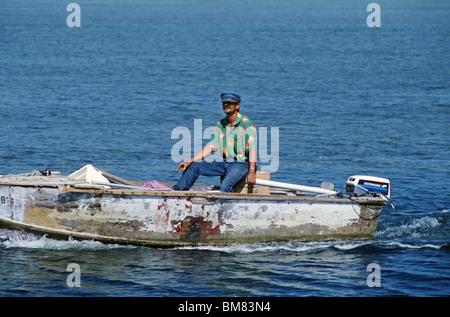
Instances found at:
x=167 y=219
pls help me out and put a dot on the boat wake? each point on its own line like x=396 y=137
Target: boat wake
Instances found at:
x=429 y=227
x=429 y=231
x=19 y=239
x=317 y=247
x=406 y=232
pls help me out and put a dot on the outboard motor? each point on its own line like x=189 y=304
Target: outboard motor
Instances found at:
x=360 y=185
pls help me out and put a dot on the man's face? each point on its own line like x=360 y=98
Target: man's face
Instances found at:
x=230 y=107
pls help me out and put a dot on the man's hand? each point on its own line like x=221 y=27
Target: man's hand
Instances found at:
x=251 y=177
x=183 y=166
x=197 y=157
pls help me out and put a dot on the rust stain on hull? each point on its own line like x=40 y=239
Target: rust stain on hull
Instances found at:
x=193 y=228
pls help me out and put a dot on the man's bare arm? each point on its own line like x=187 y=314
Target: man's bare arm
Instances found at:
x=251 y=177
x=197 y=157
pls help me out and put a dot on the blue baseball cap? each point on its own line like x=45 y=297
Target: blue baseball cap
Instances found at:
x=229 y=96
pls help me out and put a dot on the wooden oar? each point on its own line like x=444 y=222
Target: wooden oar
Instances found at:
x=115 y=178
x=309 y=189
x=126 y=186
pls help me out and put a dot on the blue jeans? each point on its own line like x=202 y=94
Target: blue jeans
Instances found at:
x=234 y=172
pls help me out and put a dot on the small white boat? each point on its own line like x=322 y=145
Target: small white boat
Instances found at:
x=95 y=205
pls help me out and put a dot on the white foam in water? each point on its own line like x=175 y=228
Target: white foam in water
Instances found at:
x=20 y=239
x=417 y=228
x=351 y=246
x=412 y=246
x=283 y=246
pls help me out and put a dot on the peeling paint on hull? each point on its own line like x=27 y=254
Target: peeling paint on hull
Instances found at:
x=167 y=218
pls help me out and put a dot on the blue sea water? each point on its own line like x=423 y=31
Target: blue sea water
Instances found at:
x=347 y=99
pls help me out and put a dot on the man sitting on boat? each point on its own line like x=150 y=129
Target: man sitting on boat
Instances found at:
x=235 y=137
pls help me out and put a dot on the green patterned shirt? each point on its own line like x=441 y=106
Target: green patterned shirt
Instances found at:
x=234 y=141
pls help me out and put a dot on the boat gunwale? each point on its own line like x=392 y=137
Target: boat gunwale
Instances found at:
x=225 y=196
x=84 y=187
